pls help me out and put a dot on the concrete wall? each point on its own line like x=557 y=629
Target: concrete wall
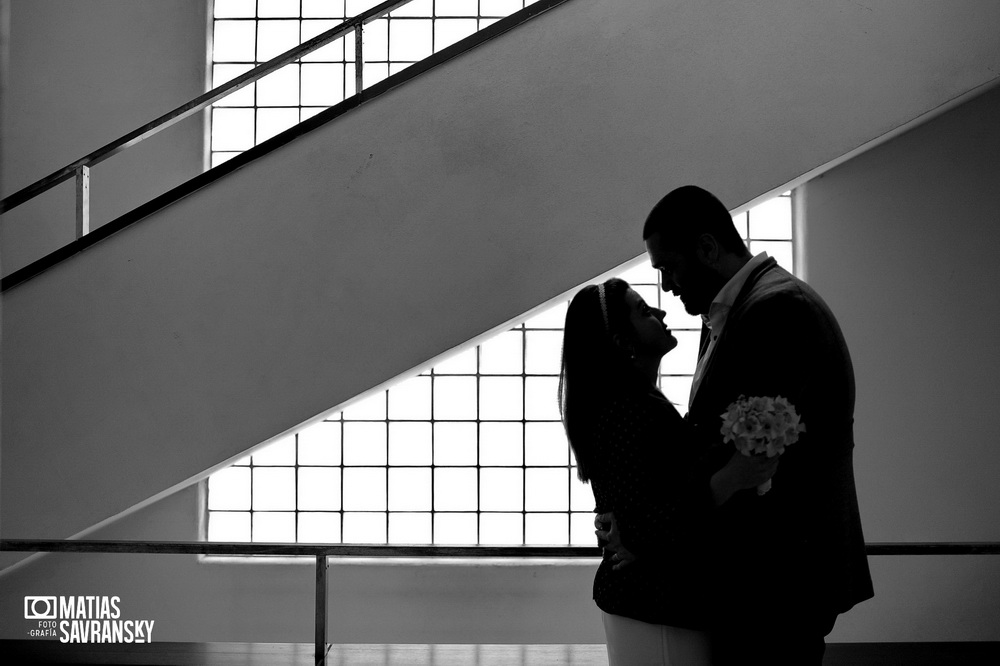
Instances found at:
x=83 y=74
x=604 y=185
x=911 y=225
x=503 y=178
x=371 y=601
x=903 y=242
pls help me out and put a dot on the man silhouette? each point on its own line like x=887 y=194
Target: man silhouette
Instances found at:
x=786 y=563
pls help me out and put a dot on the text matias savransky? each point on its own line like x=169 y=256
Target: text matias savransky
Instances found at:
x=85 y=619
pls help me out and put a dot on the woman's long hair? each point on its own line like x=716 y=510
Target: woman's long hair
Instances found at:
x=594 y=366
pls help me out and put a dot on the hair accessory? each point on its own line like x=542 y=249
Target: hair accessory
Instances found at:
x=604 y=305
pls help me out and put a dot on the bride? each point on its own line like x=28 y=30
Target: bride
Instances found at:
x=634 y=448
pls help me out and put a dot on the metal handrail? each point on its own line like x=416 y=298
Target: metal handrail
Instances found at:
x=96 y=235
x=290 y=549
x=381 y=550
x=80 y=168
x=321 y=552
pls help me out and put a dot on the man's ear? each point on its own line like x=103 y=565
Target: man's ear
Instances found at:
x=707 y=250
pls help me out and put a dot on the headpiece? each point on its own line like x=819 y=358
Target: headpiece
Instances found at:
x=604 y=305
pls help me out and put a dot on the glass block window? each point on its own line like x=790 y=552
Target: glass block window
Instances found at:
x=247 y=33
x=469 y=452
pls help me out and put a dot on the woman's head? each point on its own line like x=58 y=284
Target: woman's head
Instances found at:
x=612 y=340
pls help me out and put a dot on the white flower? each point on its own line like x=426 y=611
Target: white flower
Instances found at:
x=761 y=425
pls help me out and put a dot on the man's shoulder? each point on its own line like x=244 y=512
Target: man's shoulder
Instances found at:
x=779 y=301
x=776 y=287
x=772 y=278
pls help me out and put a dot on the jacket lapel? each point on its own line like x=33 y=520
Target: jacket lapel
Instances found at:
x=706 y=336
x=752 y=281
x=706 y=386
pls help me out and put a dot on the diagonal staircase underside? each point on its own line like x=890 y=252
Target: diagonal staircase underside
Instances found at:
x=429 y=216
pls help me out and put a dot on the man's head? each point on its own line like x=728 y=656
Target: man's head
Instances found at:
x=692 y=242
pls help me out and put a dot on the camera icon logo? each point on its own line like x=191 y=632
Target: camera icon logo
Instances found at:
x=40 y=608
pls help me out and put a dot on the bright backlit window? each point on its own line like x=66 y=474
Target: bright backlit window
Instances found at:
x=471 y=451
x=250 y=32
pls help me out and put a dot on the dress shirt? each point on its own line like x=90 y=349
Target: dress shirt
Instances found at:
x=718 y=311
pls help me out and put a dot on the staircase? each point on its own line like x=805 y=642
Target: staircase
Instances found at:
x=429 y=216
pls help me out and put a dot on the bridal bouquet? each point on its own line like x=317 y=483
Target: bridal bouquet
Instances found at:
x=761 y=425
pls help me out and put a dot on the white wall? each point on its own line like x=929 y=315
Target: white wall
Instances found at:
x=606 y=184
x=82 y=74
x=903 y=243
x=502 y=178
x=370 y=601
x=78 y=75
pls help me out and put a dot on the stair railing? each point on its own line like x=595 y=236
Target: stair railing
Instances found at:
x=323 y=552
x=85 y=236
x=81 y=168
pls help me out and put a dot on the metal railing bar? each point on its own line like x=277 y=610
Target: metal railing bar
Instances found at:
x=324 y=551
x=82 y=201
x=934 y=548
x=204 y=179
x=176 y=194
x=197 y=104
x=321 y=609
x=291 y=549
x=381 y=550
x=359 y=62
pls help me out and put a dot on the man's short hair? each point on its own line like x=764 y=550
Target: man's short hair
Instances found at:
x=686 y=213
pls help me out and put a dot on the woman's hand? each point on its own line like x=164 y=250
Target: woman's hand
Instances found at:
x=740 y=473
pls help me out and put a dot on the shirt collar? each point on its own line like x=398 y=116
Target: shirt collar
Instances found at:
x=719 y=309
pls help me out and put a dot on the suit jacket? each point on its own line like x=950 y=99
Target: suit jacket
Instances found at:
x=799 y=548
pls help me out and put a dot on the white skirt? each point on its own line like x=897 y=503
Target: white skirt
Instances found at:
x=635 y=643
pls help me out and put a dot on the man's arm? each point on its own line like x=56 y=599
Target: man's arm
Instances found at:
x=741 y=472
x=607 y=532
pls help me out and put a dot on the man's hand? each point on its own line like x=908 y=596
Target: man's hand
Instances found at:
x=607 y=530
x=740 y=473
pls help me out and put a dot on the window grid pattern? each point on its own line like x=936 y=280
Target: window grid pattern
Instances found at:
x=247 y=33
x=470 y=452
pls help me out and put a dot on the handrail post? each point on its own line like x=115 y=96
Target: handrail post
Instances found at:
x=359 y=82
x=197 y=104
x=82 y=201
x=321 y=598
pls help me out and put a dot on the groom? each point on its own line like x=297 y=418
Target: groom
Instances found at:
x=784 y=564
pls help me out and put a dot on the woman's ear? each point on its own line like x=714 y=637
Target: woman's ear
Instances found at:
x=626 y=346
